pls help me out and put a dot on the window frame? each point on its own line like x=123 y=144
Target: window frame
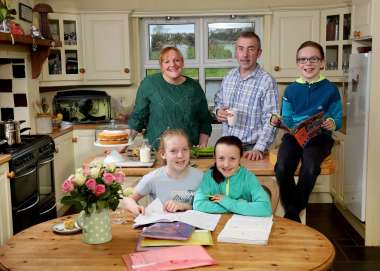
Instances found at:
x=201 y=61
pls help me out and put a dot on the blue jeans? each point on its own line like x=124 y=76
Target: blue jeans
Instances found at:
x=294 y=197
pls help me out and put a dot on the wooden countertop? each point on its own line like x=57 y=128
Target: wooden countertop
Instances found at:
x=291 y=246
x=4 y=158
x=260 y=168
x=68 y=128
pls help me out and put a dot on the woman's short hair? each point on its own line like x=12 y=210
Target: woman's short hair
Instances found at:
x=165 y=50
x=167 y=134
x=227 y=140
x=312 y=44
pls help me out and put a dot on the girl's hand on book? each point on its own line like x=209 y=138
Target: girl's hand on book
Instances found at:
x=173 y=206
x=328 y=124
x=216 y=198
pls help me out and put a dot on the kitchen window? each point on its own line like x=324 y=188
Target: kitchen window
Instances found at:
x=207 y=44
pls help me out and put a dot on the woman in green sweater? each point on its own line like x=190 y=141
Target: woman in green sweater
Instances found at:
x=229 y=187
x=171 y=100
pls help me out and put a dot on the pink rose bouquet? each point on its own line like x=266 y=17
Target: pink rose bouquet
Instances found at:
x=97 y=184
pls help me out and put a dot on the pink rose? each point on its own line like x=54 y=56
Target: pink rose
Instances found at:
x=67 y=186
x=119 y=177
x=100 y=189
x=91 y=184
x=108 y=178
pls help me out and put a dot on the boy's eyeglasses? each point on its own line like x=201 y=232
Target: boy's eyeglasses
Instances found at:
x=303 y=60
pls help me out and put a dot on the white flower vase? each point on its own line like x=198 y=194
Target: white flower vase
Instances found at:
x=96 y=226
x=4 y=27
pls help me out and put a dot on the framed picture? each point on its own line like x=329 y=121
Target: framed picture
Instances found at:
x=25 y=12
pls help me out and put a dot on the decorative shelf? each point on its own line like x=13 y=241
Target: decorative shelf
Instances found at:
x=37 y=57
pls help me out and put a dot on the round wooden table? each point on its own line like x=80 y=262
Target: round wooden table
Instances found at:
x=291 y=246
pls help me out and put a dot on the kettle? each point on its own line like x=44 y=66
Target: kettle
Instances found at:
x=12 y=131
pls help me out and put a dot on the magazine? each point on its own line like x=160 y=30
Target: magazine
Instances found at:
x=168 y=230
x=304 y=131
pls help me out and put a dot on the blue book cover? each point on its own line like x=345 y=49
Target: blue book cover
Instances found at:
x=168 y=230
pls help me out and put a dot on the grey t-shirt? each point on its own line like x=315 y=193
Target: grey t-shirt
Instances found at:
x=158 y=184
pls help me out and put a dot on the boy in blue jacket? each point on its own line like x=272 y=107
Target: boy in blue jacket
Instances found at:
x=307 y=96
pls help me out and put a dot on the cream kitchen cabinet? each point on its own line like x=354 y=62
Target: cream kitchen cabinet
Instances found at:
x=338 y=177
x=84 y=147
x=6 y=228
x=335 y=38
x=290 y=29
x=362 y=19
x=64 y=63
x=106 y=48
x=63 y=165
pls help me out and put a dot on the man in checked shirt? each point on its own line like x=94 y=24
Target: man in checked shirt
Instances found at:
x=249 y=95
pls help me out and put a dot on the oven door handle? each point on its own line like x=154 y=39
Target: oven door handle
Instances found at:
x=30 y=206
x=29 y=172
x=53 y=207
x=46 y=161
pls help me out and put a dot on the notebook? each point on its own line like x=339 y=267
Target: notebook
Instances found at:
x=199 y=237
x=173 y=258
x=246 y=230
x=168 y=230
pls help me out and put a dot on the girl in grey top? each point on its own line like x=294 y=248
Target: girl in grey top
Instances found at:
x=174 y=183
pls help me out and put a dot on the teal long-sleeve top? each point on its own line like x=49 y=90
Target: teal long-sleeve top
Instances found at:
x=243 y=194
x=160 y=105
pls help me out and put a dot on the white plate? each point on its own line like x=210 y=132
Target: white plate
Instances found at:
x=59 y=228
x=96 y=143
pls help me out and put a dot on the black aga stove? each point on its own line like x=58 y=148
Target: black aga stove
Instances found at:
x=32 y=181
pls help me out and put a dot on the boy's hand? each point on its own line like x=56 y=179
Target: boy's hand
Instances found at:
x=328 y=124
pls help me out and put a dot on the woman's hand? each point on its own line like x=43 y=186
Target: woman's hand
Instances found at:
x=253 y=155
x=216 y=197
x=328 y=124
x=172 y=206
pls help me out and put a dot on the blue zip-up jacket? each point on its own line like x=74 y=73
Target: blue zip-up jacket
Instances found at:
x=303 y=100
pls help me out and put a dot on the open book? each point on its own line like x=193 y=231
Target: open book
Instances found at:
x=246 y=230
x=154 y=212
x=304 y=131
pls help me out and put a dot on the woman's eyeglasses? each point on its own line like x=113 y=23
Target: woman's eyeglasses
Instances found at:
x=313 y=59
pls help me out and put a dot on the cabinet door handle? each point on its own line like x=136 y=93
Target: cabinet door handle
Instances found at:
x=126 y=70
x=74 y=140
x=11 y=174
x=82 y=70
x=276 y=68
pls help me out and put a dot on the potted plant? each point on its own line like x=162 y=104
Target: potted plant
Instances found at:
x=6 y=13
x=94 y=190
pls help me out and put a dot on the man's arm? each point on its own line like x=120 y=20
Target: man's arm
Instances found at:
x=269 y=106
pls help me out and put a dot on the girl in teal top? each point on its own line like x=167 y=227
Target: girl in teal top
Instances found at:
x=230 y=188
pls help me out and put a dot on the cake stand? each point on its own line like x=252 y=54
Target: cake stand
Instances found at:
x=114 y=157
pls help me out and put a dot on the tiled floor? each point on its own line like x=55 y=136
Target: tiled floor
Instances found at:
x=350 y=253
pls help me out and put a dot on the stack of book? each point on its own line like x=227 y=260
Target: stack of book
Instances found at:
x=172 y=234
x=171 y=242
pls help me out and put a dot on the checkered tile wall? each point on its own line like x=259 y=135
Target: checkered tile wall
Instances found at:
x=13 y=89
